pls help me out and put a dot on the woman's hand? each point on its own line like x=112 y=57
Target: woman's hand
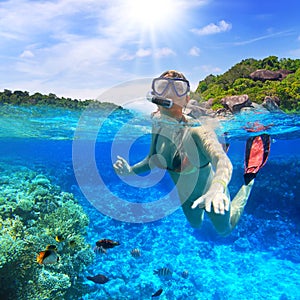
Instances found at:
x=122 y=167
x=213 y=197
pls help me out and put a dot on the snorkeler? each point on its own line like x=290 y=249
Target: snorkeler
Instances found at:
x=194 y=158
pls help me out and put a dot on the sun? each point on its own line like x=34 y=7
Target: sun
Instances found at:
x=150 y=14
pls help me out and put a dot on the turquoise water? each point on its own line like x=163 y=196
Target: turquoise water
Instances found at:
x=259 y=260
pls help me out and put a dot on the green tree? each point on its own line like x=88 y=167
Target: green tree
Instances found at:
x=270 y=63
x=237 y=81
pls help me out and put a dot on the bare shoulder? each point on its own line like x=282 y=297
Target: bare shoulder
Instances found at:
x=203 y=132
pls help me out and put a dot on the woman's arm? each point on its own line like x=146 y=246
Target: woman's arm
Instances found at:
x=122 y=167
x=207 y=142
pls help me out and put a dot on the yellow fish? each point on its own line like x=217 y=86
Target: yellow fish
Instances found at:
x=59 y=238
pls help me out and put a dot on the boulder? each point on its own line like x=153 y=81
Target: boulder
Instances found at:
x=264 y=75
x=271 y=104
x=285 y=73
x=194 y=109
x=236 y=103
x=232 y=105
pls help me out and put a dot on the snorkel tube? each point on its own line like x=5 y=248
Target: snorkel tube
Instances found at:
x=165 y=102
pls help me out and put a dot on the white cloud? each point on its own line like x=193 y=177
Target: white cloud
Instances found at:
x=212 y=28
x=27 y=54
x=140 y=53
x=67 y=45
x=183 y=4
x=210 y=69
x=126 y=57
x=143 y=52
x=163 y=52
x=194 y=51
x=264 y=37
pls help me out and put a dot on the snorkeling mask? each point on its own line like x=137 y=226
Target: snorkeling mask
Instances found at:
x=180 y=86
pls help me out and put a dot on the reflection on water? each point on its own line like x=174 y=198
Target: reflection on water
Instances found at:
x=61 y=124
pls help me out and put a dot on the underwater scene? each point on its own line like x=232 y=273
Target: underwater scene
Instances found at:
x=68 y=232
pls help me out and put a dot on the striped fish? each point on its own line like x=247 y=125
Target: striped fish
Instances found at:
x=135 y=253
x=165 y=272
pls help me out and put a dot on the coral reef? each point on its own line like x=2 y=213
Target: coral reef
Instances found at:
x=34 y=213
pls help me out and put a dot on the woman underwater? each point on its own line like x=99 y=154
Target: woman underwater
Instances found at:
x=194 y=158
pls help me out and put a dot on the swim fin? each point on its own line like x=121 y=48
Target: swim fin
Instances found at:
x=256 y=155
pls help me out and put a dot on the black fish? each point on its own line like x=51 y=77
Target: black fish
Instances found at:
x=157 y=293
x=185 y=274
x=98 y=278
x=106 y=243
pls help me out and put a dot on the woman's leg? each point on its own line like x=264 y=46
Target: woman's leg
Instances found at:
x=239 y=202
x=194 y=216
x=224 y=224
x=221 y=222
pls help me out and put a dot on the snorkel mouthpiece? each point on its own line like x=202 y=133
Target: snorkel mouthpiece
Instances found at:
x=165 y=102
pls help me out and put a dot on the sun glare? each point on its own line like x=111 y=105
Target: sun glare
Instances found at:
x=151 y=14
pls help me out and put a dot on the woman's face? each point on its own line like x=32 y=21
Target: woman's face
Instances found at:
x=170 y=93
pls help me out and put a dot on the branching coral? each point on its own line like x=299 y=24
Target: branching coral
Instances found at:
x=33 y=214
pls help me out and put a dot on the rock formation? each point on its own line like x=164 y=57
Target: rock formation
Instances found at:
x=263 y=74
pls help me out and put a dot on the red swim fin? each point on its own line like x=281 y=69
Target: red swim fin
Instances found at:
x=256 y=155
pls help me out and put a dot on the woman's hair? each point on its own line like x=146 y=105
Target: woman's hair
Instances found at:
x=172 y=74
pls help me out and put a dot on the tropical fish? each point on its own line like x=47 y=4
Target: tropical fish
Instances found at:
x=185 y=274
x=135 y=253
x=59 y=238
x=157 y=293
x=47 y=257
x=165 y=271
x=106 y=243
x=98 y=278
x=72 y=244
x=99 y=250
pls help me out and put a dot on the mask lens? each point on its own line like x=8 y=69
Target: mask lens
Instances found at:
x=160 y=85
x=181 y=87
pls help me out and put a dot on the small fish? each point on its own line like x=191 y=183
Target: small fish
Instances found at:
x=157 y=293
x=99 y=250
x=106 y=243
x=166 y=272
x=72 y=244
x=47 y=257
x=185 y=274
x=135 y=253
x=98 y=278
x=59 y=238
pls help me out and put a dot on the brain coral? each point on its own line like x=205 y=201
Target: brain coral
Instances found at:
x=33 y=213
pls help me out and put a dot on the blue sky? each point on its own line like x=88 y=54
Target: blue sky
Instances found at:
x=79 y=48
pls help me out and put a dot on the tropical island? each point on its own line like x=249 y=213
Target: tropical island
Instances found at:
x=278 y=79
x=38 y=99
x=271 y=77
